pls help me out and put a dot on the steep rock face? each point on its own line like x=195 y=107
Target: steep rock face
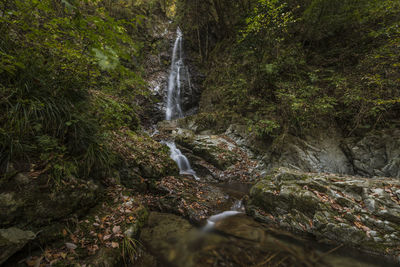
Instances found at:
x=377 y=154
x=315 y=154
x=360 y=212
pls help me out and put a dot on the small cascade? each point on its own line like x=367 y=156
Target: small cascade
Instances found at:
x=173 y=109
x=237 y=208
x=181 y=160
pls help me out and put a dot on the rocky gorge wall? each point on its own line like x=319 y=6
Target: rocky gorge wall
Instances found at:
x=377 y=153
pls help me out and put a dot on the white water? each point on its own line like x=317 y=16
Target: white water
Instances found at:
x=237 y=208
x=181 y=160
x=174 y=109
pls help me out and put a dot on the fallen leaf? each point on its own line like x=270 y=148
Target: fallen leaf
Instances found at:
x=116 y=229
x=114 y=245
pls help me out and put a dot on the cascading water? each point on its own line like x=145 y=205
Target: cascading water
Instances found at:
x=181 y=160
x=174 y=109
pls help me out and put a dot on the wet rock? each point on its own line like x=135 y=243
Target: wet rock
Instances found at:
x=319 y=204
x=12 y=240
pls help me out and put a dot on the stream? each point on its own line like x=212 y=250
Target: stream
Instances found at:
x=229 y=237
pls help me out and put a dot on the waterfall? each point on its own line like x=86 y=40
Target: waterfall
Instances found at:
x=174 y=109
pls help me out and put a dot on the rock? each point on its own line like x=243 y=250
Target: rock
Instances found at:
x=216 y=157
x=318 y=153
x=300 y=202
x=143 y=158
x=106 y=257
x=37 y=204
x=189 y=198
x=12 y=240
x=212 y=148
x=376 y=154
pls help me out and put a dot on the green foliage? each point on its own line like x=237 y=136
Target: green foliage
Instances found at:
x=56 y=57
x=264 y=128
x=303 y=64
x=130 y=249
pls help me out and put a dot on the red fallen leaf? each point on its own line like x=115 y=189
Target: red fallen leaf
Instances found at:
x=73 y=238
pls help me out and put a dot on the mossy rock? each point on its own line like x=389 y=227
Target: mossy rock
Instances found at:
x=359 y=212
x=12 y=240
x=39 y=203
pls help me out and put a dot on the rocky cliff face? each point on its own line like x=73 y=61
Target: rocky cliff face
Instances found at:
x=375 y=154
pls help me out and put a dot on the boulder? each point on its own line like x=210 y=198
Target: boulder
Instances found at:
x=359 y=212
x=36 y=203
x=12 y=240
x=212 y=148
